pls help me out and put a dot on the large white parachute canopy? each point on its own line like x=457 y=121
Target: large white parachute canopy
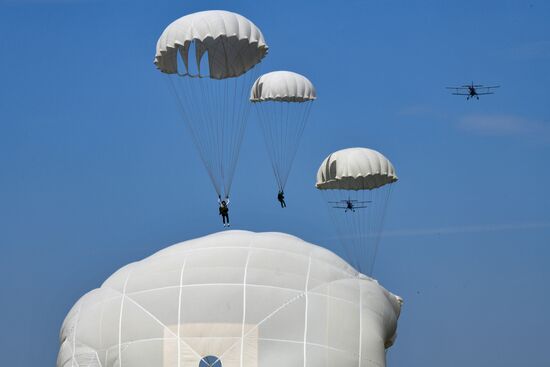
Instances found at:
x=211 y=58
x=233 y=299
x=356 y=183
x=283 y=101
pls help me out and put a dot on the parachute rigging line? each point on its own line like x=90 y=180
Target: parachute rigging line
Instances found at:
x=215 y=112
x=282 y=124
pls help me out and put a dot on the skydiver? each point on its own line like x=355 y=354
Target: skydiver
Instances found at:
x=281 y=198
x=224 y=210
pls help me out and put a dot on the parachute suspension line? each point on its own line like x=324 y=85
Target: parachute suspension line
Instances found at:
x=284 y=121
x=243 y=113
x=268 y=129
x=235 y=120
x=267 y=124
x=215 y=112
x=379 y=198
x=359 y=230
x=331 y=197
x=222 y=121
x=301 y=125
x=194 y=134
x=282 y=124
x=268 y=138
x=368 y=228
x=211 y=90
x=201 y=96
x=378 y=234
x=285 y=142
x=199 y=122
x=356 y=222
x=279 y=123
x=360 y=226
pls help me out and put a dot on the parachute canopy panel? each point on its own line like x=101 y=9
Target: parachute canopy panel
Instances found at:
x=355 y=169
x=283 y=86
x=214 y=32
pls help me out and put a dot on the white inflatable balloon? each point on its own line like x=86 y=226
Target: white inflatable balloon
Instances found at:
x=233 y=299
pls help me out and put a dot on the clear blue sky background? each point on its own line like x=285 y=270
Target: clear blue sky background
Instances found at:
x=97 y=169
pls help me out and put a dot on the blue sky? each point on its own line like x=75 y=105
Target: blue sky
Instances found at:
x=97 y=169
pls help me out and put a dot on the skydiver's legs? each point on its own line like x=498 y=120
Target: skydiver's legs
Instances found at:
x=225 y=219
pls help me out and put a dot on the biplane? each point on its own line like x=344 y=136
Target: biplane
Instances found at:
x=349 y=204
x=473 y=90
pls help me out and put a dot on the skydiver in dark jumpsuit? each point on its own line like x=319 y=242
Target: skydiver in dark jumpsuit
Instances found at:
x=281 y=198
x=224 y=210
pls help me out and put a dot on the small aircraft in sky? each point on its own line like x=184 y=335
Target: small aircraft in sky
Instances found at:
x=350 y=205
x=473 y=90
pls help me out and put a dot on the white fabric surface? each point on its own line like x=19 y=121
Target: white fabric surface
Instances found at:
x=355 y=169
x=233 y=43
x=249 y=299
x=283 y=86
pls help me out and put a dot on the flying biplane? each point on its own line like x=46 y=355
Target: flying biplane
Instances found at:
x=473 y=90
x=349 y=205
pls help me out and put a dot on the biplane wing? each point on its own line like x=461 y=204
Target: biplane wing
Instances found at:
x=486 y=90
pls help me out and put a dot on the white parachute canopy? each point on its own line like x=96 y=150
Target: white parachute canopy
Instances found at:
x=282 y=86
x=233 y=299
x=356 y=184
x=212 y=86
x=283 y=101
